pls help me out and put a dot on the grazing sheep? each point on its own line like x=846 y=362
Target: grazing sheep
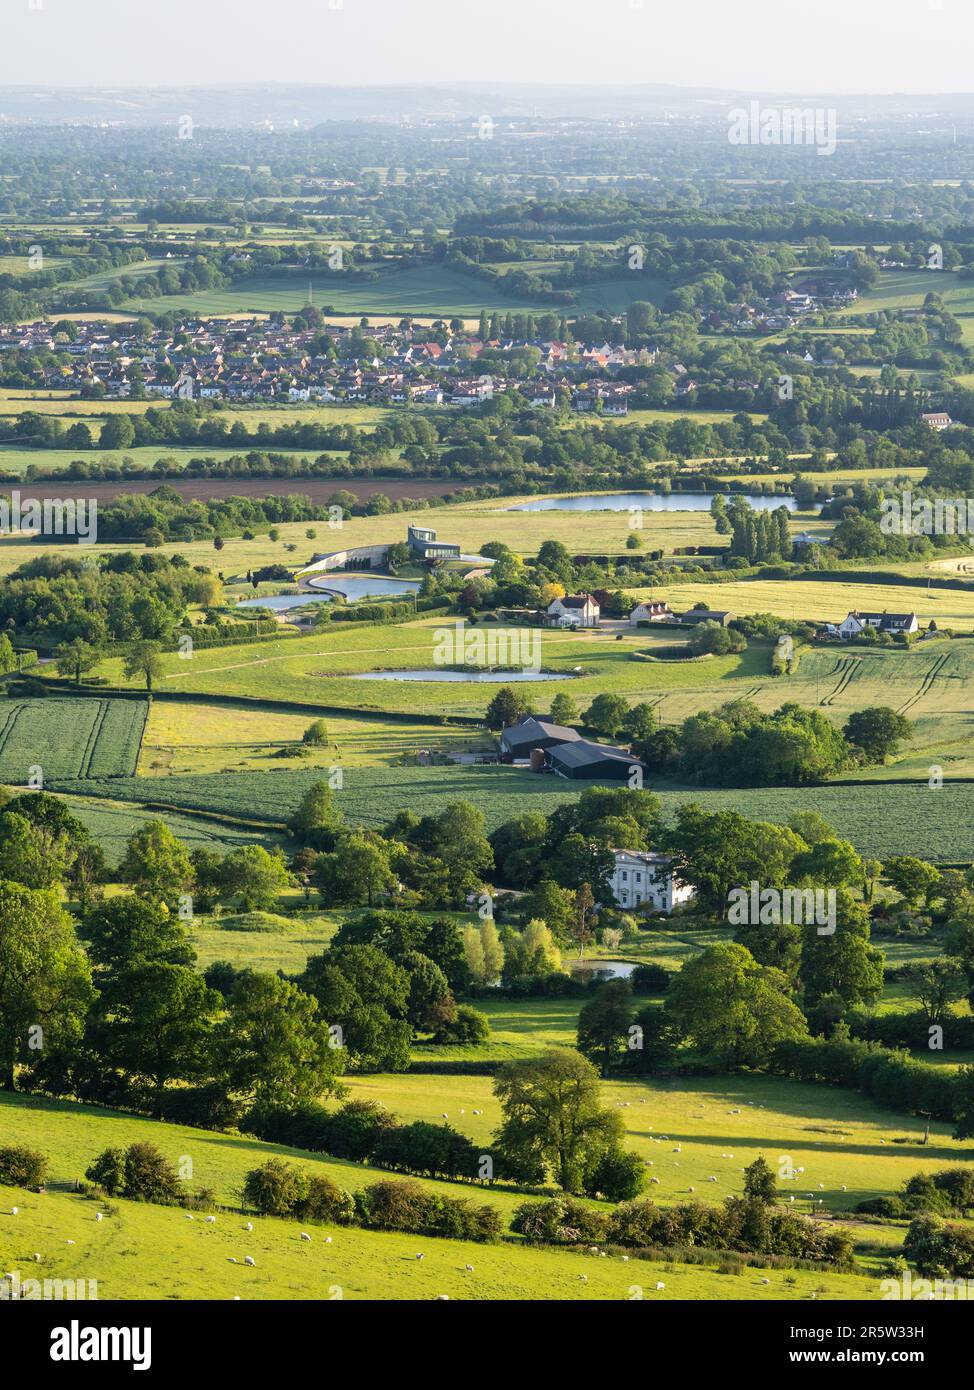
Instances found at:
x=765 y=1281
x=442 y=1298
x=231 y=1259
x=655 y=1180
x=328 y=1240
x=189 y=1216
x=249 y=1226
x=249 y=1260
x=445 y=1115
x=419 y=1257
x=844 y=1188
x=14 y=1211
x=305 y=1236
x=690 y=1189
x=711 y=1178
x=660 y=1285
x=211 y=1220
x=98 y=1215
x=469 y=1269
x=625 y=1259
x=37 y=1256
x=584 y=1278
x=70 y=1242
x=678 y=1149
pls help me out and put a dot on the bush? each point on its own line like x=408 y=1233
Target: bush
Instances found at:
x=325 y=1201
x=201 y=1107
x=559 y=1221
x=20 y=1167
x=141 y=1172
x=275 y=1188
x=650 y=979
x=618 y=1176
x=467 y=1027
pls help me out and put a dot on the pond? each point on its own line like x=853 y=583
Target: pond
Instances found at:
x=651 y=502
x=608 y=969
x=442 y=674
x=353 y=586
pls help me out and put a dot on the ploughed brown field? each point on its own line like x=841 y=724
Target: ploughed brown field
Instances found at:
x=318 y=489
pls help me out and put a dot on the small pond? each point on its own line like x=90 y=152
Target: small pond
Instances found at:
x=608 y=969
x=442 y=674
x=352 y=586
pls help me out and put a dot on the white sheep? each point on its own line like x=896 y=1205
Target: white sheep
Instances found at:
x=660 y=1285
x=14 y=1211
x=445 y=1115
x=442 y=1298
x=469 y=1269
x=37 y=1256
x=328 y=1240
x=305 y=1236
x=248 y=1226
x=249 y=1260
x=98 y=1215
x=419 y=1257
x=211 y=1220
x=189 y=1216
x=765 y=1281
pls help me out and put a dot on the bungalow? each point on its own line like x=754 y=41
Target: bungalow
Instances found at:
x=582 y=759
x=644 y=878
x=651 y=612
x=578 y=610
x=856 y=622
x=518 y=740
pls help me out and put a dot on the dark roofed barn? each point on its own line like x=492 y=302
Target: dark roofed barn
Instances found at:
x=518 y=739
x=596 y=760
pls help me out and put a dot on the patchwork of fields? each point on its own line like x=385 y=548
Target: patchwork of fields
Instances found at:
x=70 y=738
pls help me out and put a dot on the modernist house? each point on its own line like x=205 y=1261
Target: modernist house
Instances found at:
x=643 y=878
x=578 y=610
x=528 y=733
x=422 y=542
x=651 y=612
x=856 y=622
x=583 y=759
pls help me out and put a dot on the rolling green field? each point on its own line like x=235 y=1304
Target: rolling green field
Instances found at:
x=429 y=290
x=117 y=1251
x=70 y=738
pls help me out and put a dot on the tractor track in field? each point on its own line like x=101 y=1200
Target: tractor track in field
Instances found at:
x=926 y=684
x=846 y=668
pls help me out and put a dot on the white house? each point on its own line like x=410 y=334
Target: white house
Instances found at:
x=937 y=420
x=651 y=612
x=856 y=622
x=574 y=610
x=644 y=877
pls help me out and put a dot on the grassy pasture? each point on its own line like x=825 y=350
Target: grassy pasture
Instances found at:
x=112 y=823
x=839 y=1137
x=118 y=1251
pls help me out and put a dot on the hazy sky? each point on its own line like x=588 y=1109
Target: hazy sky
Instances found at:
x=821 y=45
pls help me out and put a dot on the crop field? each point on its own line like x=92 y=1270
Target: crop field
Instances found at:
x=70 y=738
x=14 y=459
x=113 y=823
x=907 y=289
x=880 y=819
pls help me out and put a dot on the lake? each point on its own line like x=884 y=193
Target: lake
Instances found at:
x=353 y=586
x=651 y=502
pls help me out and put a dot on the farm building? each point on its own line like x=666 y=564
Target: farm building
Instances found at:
x=856 y=622
x=519 y=739
x=575 y=610
x=644 y=877
x=582 y=759
x=651 y=612
x=706 y=615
